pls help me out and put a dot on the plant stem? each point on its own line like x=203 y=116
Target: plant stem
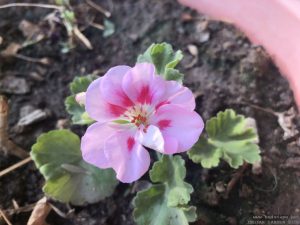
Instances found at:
x=158 y=155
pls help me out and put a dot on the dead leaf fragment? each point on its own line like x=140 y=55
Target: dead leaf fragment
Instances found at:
x=1 y=40
x=31 y=31
x=40 y=213
x=11 y=50
x=28 y=28
x=286 y=122
x=6 y=145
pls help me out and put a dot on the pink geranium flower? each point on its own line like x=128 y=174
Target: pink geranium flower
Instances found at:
x=135 y=108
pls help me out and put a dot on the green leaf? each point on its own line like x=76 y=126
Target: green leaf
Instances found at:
x=77 y=111
x=69 y=20
x=228 y=138
x=109 y=28
x=171 y=170
x=164 y=58
x=165 y=202
x=205 y=153
x=173 y=74
x=62 y=2
x=80 y=84
x=69 y=179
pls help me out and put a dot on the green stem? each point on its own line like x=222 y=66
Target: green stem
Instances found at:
x=158 y=155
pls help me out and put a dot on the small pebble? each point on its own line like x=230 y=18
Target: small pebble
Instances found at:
x=220 y=187
x=33 y=117
x=14 y=85
x=204 y=37
x=257 y=168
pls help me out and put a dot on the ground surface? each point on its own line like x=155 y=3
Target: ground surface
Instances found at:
x=228 y=72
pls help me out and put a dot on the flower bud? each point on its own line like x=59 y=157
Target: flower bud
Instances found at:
x=80 y=98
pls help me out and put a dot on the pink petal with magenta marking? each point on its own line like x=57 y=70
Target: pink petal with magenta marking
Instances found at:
x=111 y=87
x=180 y=124
x=177 y=94
x=128 y=158
x=93 y=141
x=99 y=109
x=142 y=85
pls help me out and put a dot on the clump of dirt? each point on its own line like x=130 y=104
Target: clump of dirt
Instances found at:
x=227 y=72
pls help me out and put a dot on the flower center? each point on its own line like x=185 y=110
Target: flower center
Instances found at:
x=139 y=115
x=139 y=119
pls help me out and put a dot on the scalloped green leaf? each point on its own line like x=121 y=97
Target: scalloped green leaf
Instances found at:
x=80 y=84
x=173 y=74
x=69 y=179
x=79 y=115
x=167 y=201
x=205 y=153
x=165 y=60
x=77 y=111
x=229 y=138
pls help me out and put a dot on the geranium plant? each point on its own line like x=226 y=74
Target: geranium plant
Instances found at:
x=133 y=112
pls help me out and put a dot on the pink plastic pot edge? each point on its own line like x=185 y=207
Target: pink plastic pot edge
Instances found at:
x=274 y=24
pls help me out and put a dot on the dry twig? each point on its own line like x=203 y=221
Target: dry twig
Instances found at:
x=266 y=110
x=38 y=5
x=26 y=208
x=61 y=213
x=97 y=26
x=82 y=38
x=2 y=214
x=15 y=166
x=234 y=180
x=44 y=61
x=6 y=145
x=98 y=8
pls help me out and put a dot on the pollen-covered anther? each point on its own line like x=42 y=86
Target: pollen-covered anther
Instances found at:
x=139 y=120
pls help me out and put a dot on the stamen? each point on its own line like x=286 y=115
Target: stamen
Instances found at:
x=139 y=115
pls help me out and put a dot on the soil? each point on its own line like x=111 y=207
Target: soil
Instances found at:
x=227 y=72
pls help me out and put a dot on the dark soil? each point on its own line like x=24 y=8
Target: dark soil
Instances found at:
x=229 y=72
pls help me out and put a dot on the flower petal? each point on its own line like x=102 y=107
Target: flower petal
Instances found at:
x=179 y=95
x=128 y=158
x=152 y=138
x=111 y=87
x=93 y=143
x=170 y=145
x=99 y=109
x=176 y=122
x=142 y=85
